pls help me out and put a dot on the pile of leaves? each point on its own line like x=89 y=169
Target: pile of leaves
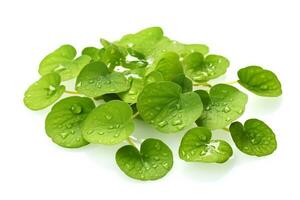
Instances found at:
x=147 y=76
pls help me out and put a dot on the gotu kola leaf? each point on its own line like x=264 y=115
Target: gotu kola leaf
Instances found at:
x=202 y=69
x=95 y=80
x=44 y=92
x=64 y=122
x=197 y=146
x=260 y=81
x=63 y=61
x=163 y=105
x=254 y=137
x=225 y=104
x=109 y=123
x=153 y=161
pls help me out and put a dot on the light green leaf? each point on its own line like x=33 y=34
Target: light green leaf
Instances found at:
x=113 y=55
x=143 y=41
x=94 y=53
x=164 y=106
x=185 y=83
x=260 y=81
x=169 y=66
x=63 y=123
x=254 y=138
x=153 y=76
x=95 y=80
x=130 y=96
x=197 y=146
x=44 y=92
x=201 y=69
x=63 y=62
x=226 y=105
x=153 y=161
x=109 y=123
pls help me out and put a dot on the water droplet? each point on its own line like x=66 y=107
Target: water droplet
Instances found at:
x=177 y=122
x=79 y=84
x=180 y=127
x=226 y=109
x=157 y=146
x=207 y=108
x=246 y=148
x=98 y=85
x=178 y=106
x=157 y=108
x=72 y=132
x=90 y=132
x=203 y=137
x=240 y=111
x=100 y=133
x=156 y=158
x=117 y=125
x=264 y=87
x=227 y=119
x=132 y=92
x=64 y=135
x=266 y=142
x=77 y=139
x=116 y=135
x=165 y=165
x=111 y=127
x=154 y=166
x=108 y=117
x=162 y=123
x=152 y=121
x=164 y=154
x=91 y=81
x=76 y=109
x=198 y=144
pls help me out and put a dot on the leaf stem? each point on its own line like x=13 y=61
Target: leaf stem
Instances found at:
x=202 y=84
x=135 y=115
x=71 y=92
x=130 y=141
x=231 y=82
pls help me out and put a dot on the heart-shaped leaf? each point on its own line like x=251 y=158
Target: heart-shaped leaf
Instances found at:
x=109 y=123
x=254 y=138
x=163 y=105
x=225 y=105
x=169 y=66
x=63 y=62
x=197 y=146
x=201 y=69
x=44 y=92
x=95 y=80
x=260 y=81
x=153 y=161
x=63 y=123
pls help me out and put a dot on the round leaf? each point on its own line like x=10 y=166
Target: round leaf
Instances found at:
x=201 y=69
x=95 y=80
x=63 y=123
x=226 y=104
x=163 y=105
x=254 y=138
x=260 y=81
x=197 y=146
x=63 y=61
x=109 y=123
x=153 y=161
x=169 y=66
x=44 y=92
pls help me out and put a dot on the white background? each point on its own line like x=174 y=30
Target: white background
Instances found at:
x=257 y=32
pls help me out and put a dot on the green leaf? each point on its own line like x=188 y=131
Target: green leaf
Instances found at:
x=94 y=53
x=130 y=96
x=63 y=123
x=169 y=66
x=197 y=146
x=201 y=69
x=185 y=83
x=254 y=138
x=143 y=41
x=109 y=123
x=44 y=92
x=226 y=105
x=153 y=76
x=164 y=106
x=63 y=62
x=153 y=161
x=260 y=81
x=95 y=80
x=205 y=98
x=113 y=55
